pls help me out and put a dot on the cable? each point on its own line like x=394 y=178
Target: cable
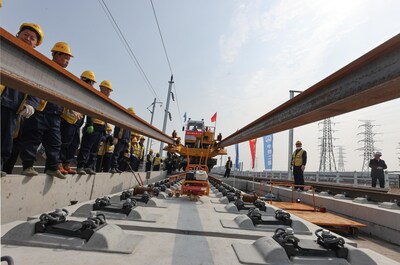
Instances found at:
x=167 y=57
x=162 y=39
x=127 y=46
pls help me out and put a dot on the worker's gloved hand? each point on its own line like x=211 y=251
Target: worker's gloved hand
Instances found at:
x=27 y=111
x=77 y=115
x=379 y=168
x=115 y=141
x=303 y=167
x=90 y=129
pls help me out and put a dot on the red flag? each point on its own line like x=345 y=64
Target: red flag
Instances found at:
x=214 y=117
x=253 y=150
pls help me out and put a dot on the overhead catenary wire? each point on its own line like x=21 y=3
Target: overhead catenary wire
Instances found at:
x=167 y=58
x=127 y=46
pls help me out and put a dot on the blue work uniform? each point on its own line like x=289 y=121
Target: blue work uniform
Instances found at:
x=12 y=102
x=43 y=127
x=70 y=138
x=91 y=142
x=123 y=136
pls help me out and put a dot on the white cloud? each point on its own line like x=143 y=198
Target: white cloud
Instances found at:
x=244 y=20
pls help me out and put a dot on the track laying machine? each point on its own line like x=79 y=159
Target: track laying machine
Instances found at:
x=199 y=149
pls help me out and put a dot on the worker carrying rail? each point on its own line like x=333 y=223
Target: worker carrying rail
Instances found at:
x=299 y=161
x=15 y=105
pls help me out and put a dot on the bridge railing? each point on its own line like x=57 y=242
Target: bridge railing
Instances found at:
x=392 y=178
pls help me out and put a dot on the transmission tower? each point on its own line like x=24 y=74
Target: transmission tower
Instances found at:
x=368 y=142
x=327 y=161
x=341 y=157
x=399 y=153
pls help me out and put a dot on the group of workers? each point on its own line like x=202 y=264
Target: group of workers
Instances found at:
x=28 y=122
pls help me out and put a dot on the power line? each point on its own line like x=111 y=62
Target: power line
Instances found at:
x=162 y=39
x=127 y=46
x=167 y=57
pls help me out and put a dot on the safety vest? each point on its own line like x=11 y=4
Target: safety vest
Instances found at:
x=157 y=161
x=141 y=152
x=127 y=151
x=110 y=149
x=69 y=116
x=228 y=164
x=120 y=133
x=136 y=150
x=297 y=160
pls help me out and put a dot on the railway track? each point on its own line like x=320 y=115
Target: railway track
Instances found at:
x=372 y=194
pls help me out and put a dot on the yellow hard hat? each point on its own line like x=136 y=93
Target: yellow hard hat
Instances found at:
x=89 y=75
x=142 y=138
x=134 y=139
x=109 y=127
x=106 y=84
x=151 y=150
x=62 y=47
x=36 y=28
x=131 y=110
x=298 y=143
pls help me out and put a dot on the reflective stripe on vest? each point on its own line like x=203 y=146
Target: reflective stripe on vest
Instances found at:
x=297 y=160
x=121 y=131
x=68 y=116
x=42 y=105
x=97 y=121
x=2 y=88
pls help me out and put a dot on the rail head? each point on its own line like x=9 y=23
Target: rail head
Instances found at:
x=375 y=73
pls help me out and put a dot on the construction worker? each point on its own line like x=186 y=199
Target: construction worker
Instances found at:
x=15 y=105
x=106 y=149
x=299 y=161
x=71 y=123
x=149 y=160
x=135 y=152
x=157 y=162
x=140 y=153
x=228 y=167
x=93 y=132
x=377 y=166
x=43 y=127
x=122 y=138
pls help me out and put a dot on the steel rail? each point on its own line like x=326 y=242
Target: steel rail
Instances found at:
x=373 y=194
x=371 y=79
x=27 y=70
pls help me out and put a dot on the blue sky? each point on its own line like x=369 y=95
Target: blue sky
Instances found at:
x=237 y=58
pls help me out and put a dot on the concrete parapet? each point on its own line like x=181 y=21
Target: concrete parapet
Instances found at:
x=23 y=196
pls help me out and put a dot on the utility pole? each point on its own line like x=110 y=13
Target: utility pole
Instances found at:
x=153 y=105
x=291 y=93
x=327 y=161
x=166 y=112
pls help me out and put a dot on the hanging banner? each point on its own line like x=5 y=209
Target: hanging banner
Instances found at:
x=268 y=151
x=253 y=152
x=237 y=167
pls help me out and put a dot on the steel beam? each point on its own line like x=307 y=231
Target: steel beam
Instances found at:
x=371 y=79
x=27 y=70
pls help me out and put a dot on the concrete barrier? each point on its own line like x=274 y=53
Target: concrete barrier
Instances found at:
x=382 y=223
x=23 y=196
